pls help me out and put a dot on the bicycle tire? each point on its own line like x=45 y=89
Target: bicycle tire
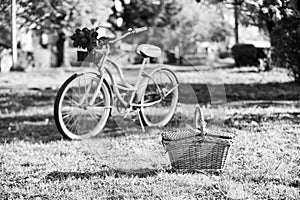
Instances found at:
x=59 y=121
x=151 y=118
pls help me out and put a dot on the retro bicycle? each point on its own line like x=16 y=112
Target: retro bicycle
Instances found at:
x=85 y=100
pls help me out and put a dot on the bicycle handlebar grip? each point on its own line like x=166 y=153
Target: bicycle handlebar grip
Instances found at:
x=138 y=30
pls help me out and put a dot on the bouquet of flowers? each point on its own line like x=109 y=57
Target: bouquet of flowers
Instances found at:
x=87 y=39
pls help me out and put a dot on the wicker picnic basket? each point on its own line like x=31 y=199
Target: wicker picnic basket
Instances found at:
x=193 y=149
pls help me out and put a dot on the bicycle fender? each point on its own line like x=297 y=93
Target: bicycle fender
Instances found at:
x=160 y=66
x=88 y=70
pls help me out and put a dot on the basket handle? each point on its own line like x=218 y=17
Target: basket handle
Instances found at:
x=199 y=124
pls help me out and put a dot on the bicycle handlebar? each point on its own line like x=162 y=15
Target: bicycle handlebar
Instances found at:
x=142 y=29
x=137 y=30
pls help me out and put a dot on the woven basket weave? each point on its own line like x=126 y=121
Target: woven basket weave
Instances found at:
x=93 y=57
x=192 y=149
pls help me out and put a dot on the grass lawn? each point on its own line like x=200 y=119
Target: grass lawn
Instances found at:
x=36 y=163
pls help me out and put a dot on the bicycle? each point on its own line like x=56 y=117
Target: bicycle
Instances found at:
x=85 y=100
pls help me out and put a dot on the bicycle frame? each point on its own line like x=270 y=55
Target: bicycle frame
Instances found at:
x=125 y=85
x=135 y=98
x=135 y=90
x=104 y=70
x=89 y=94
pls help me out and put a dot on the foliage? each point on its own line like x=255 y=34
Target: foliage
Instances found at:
x=190 y=26
x=5 y=25
x=139 y=13
x=55 y=14
x=286 y=45
x=5 y=36
x=264 y=13
x=203 y=21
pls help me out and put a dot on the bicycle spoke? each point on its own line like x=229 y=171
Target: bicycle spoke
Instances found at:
x=76 y=92
x=75 y=123
x=94 y=117
x=64 y=116
x=71 y=100
x=76 y=118
x=69 y=112
x=66 y=112
x=99 y=103
x=174 y=88
x=67 y=122
x=89 y=87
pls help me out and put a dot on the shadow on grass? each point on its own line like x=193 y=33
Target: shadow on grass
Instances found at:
x=17 y=100
x=12 y=128
x=119 y=173
x=42 y=129
x=39 y=128
x=238 y=92
x=116 y=173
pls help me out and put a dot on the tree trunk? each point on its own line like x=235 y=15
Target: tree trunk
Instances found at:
x=236 y=21
x=14 y=33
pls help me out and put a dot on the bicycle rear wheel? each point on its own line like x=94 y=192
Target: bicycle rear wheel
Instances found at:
x=76 y=116
x=160 y=98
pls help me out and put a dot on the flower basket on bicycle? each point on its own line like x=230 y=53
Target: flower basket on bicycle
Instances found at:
x=87 y=40
x=193 y=149
x=81 y=55
x=85 y=56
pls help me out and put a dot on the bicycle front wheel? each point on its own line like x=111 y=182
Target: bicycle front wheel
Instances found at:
x=160 y=98
x=82 y=106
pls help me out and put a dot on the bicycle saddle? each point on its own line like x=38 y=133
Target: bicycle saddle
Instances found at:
x=148 y=51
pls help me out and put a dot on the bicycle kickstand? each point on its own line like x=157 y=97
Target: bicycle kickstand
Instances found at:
x=141 y=122
x=139 y=116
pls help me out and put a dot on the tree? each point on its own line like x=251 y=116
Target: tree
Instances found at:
x=265 y=14
x=5 y=24
x=203 y=21
x=286 y=45
x=295 y=4
x=262 y=13
x=139 y=13
x=55 y=14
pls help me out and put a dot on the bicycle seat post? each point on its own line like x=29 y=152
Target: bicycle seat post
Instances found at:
x=145 y=61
